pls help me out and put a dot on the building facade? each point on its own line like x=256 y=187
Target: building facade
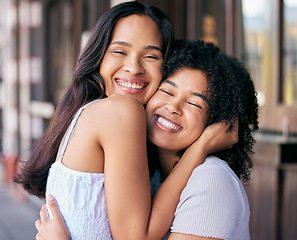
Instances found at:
x=40 y=41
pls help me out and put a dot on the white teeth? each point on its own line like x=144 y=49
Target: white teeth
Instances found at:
x=167 y=124
x=131 y=85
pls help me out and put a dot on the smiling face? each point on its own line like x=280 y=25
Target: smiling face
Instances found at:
x=178 y=112
x=133 y=61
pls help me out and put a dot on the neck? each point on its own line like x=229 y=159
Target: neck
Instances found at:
x=167 y=161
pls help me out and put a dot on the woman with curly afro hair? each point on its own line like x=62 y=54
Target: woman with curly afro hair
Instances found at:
x=201 y=88
x=232 y=95
x=214 y=203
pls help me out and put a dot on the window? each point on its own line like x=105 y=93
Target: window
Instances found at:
x=270 y=51
x=59 y=49
x=258 y=44
x=289 y=71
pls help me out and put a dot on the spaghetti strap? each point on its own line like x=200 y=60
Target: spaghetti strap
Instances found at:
x=70 y=130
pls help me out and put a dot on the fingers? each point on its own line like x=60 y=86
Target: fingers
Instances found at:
x=37 y=237
x=43 y=214
x=38 y=224
x=231 y=133
x=219 y=136
x=54 y=208
x=234 y=125
x=230 y=129
x=233 y=129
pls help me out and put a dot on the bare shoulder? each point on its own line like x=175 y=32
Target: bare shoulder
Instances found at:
x=115 y=106
x=109 y=115
x=118 y=105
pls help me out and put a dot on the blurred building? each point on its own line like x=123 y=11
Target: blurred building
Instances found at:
x=40 y=41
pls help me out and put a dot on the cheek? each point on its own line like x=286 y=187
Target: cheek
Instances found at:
x=198 y=124
x=109 y=64
x=152 y=105
x=195 y=133
x=158 y=74
x=155 y=71
x=151 y=93
x=155 y=102
x=149 y=110
x=103 y=70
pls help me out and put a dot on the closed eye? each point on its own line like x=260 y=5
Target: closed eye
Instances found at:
x=119 y=52
x=195 y=105
x=152 y=57
x=165 y=91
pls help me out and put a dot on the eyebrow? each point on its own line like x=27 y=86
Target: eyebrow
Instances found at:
x=121 y=43
x=152 y=47
x=192 y=93
x=169 y=82
x=126 y=44
x=202 y=96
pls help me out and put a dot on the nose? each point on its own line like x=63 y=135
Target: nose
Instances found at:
x=133 y=65
x=174 y=107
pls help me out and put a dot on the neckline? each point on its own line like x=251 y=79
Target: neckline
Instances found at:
x=75 y=171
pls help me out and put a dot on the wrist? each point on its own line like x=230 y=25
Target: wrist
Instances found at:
x=195 y=154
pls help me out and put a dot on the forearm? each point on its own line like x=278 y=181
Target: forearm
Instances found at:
x=167 y=197
x=130 y=215
x=129 y=207
x=214 y=138
x=127 y=190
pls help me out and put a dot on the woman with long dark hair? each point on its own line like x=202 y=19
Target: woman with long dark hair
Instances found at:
x=201 y=88
x=92 y=157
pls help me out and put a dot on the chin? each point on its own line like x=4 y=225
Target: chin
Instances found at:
x=168 y=148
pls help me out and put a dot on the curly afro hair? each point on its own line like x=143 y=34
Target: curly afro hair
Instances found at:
x=232 y=95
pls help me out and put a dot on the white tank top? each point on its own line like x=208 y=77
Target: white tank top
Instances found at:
x=80 y=196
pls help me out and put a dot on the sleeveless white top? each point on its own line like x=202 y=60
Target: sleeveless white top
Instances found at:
x=80 y=196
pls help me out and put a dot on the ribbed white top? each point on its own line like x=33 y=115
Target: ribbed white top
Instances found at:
x=213 y=203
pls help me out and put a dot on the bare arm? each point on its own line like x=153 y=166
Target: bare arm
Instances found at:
x=48 y=228
x=126 y=175
x=129 y=209
x=214 y=138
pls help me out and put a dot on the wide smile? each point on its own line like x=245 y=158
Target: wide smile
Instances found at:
x=131 y=85
x=166 y=124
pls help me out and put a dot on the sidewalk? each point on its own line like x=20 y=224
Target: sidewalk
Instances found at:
x=17 y=219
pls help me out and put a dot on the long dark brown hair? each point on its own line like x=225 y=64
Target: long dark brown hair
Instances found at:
x=86 y=85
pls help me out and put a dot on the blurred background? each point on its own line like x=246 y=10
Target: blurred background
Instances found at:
x=40 y=41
